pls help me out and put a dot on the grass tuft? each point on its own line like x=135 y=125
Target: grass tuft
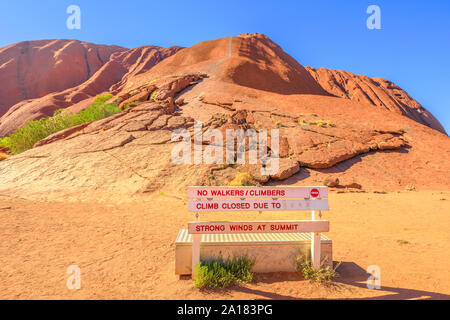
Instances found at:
x=153 y=96
x=133 y=92
x=323 y=274
x=242 y=179
x=318 y=123
x=220 y=273
x=130 y=104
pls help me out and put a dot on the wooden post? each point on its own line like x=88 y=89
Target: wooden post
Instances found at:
x=315 y=246
x=195 y=252
x=298 y=199
x=196 y=239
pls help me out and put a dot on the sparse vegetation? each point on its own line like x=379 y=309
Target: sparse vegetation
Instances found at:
x=130 y=104
x=319 y=123
x=221 y=273
x=25 y=137
x=242 y=179
x=323 y=274
x=133 y=92
x=303 y=122
x=257 y=125
x=153 y=95
x=220 y=168
x=4 y=142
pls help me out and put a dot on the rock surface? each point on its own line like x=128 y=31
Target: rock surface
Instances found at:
x=331 y=182
x=33 y=69
x=352 y=185
x=54 y=74
x=219 y=82
x=376 y=92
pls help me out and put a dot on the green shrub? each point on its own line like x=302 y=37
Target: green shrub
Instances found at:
x=220 y=273
x=4 y=141
x=101 y=99
x=25 y=137
x=324 y=273
x=129 y=104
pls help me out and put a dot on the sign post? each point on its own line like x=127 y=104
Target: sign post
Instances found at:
x=195 y=252
x=315 y=236
x=196 y=239
x=232 y=199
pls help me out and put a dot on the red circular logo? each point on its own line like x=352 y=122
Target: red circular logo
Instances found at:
x=314 y=193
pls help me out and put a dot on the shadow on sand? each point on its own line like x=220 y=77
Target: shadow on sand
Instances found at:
x=350 y=274
x=353 y=275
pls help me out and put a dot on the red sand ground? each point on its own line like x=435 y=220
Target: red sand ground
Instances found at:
x=126 y=251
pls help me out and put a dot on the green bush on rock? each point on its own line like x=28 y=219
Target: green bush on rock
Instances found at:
x=25 y=137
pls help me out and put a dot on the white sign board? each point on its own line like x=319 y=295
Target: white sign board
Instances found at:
x=203 y=199
x=257 y=205
x=257 y=192
x=258 y=227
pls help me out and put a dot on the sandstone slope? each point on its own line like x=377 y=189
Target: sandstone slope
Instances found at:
x=33 y=69
x=61 y=73
x=377 y=92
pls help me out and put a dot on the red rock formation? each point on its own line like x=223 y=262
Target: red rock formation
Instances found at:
x=377 y=92
x=231 y=83
x=250 y=60
x=71 y=79
x=33 y=69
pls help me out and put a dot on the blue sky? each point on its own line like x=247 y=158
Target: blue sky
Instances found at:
x=412 y=49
